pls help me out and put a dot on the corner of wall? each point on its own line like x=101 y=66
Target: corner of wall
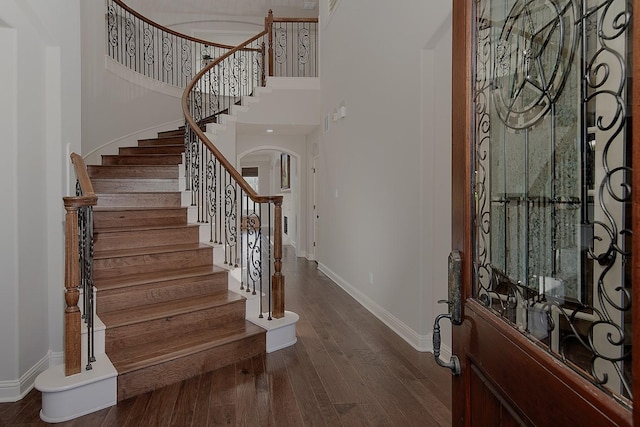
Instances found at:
x=14 y=390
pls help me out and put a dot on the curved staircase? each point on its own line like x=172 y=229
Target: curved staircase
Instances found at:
x=166 y=308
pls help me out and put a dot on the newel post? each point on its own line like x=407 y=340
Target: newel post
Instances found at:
x=268 y=23
x=277 y=280
x=72 y=351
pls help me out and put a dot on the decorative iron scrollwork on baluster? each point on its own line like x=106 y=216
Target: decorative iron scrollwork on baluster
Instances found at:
x=213 y=84
x=212 y=191
x=256 y=67
x=130 y=37
x=281 y=45
x=254 y=246
x=167 y=53
x=149 y=47
x=194 y=150
x=303 y=47
x=243 y=72
x=231 y=75
x=112 y=26
x=186 y=55
x=231 y=218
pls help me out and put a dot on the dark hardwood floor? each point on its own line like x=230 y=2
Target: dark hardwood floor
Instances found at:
x=347 y=369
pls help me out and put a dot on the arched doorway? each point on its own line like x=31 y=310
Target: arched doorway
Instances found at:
x=270 y=163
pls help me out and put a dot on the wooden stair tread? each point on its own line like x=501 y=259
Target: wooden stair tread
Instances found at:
x=133 y=315
x=148 y=250
x=143 y=228
x=156 y=276
x=137 y=193
x=134 y=171
x=142 y=159
x=140 y=155
x=170 y=134
x=163 y=149
x=149 y=354
x=160 y=146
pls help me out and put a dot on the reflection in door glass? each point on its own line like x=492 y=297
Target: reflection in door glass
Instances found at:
x=553 y=178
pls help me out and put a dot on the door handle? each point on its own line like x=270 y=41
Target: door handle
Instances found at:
x=454 y=313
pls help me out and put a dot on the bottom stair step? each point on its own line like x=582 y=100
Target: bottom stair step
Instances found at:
x=153 y=365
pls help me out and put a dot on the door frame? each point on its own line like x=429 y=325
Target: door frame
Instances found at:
x=314 y=212
x=554 y=374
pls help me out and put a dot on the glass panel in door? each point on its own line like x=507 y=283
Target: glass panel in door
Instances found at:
x=552 y=179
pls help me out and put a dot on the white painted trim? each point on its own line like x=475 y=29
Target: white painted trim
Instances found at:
x=56 y=358
x=281 y=333
x=140 y=79
x=419 y=342
x=68 y=397
x=14 y=390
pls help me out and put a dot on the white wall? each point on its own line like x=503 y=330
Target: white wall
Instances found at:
x=380 y=202
x=44 y=101
x=436 y=172
x=8 y=210
x=112 y=106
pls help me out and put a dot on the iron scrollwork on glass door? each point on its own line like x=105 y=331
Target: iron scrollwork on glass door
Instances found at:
x=552 y=178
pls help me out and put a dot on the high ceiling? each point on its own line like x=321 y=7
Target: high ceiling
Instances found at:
x=288 y=8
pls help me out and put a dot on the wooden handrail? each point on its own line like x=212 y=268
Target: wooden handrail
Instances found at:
x=201 y=135
x=306 y=20
x=82 y=175
x=169 y=30
x=278 y=279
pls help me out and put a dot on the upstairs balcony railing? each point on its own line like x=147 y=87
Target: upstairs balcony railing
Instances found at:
x=165 y=55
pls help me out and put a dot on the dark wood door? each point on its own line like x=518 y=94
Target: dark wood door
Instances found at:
x=543 y=212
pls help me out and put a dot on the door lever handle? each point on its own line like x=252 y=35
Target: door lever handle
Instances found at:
x=454 y=362
x=454 y=312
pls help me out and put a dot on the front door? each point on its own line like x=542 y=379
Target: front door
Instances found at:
x=543 y=211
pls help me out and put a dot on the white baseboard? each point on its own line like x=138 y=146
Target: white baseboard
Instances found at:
x=423 y=343
x=56 y=358
x=14 y=390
